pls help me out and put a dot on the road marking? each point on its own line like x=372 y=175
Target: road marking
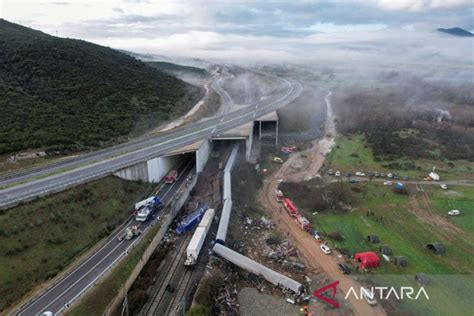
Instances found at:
x=105 y=256
x=124 y=156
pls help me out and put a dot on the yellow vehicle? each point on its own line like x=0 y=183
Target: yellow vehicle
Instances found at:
x=278 y=160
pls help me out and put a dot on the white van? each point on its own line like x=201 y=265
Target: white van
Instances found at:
x=369 y=296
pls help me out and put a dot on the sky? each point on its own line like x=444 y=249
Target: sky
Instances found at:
x=259 y=30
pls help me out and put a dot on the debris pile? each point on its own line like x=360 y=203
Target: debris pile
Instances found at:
x=285 y=255
x=226 y=298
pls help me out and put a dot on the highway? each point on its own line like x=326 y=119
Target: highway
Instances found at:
x=71 y=286
x=57 y=177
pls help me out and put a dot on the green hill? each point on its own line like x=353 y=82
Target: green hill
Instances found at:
x=68 y=95
x=175 y=69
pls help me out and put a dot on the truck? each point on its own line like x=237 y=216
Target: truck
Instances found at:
x=171 y=176
x=153 y=200
x=303 y=223
x=191 y=220
x=195 y=245
x=279 y=196
x=130 y=232
x=290 y=207
x=144 y=213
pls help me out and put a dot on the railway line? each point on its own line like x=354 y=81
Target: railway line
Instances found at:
x=75 y=282
x=68 y=289
x=172 y=281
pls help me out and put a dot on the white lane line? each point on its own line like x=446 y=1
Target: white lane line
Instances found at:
x=97 y=252
x=80 y=279
x=104 y=162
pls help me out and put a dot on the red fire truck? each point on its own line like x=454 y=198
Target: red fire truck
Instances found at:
x=290 y=207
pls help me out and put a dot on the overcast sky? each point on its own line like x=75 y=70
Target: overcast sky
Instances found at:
x=258 y=30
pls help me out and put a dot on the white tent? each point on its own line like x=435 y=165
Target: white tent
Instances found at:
x=434 y=176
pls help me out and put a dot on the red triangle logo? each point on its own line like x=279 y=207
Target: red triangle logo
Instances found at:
x=332 y=286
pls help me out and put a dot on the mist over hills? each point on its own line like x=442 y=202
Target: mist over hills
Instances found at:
x=68 y=95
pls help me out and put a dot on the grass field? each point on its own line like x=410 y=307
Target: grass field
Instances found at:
x=352 y=154
x=457 y=197
x=401 y=229
x=405 y=230
x=39 y=239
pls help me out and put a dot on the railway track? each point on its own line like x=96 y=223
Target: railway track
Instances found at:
x=169 y=274
x=72 y=285
x=175 y=305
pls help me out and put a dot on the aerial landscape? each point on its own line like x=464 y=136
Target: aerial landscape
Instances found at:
x=237 y=157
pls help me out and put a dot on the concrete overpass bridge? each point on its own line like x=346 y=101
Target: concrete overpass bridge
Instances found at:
x=155 y=169
x=149 y=158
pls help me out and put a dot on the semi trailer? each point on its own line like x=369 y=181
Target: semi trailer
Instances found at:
x=195 y=245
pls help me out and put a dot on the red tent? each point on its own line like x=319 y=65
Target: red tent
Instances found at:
x=367 y=259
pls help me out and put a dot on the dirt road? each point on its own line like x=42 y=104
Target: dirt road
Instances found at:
x=300 y=166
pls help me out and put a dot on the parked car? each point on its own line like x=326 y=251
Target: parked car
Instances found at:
x=376 y=174
x=277 y=160
x=454 y=213
x=325 y=248
x=443 y=186
x=317 y=236
x=353 y=181
x=360 y=174
x=344 y=268
x=338 y=174
x=406 y=178
x=369 y=296
x=387 y=183
x=390 y=175
x=382 y=175
x=395 y=176
x=330 y=172
x=348 y=174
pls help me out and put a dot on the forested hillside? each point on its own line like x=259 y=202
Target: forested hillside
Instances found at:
x=176 y=69
x=68 y=95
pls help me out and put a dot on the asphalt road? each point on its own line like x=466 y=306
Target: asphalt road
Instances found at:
x=57 y=298
x=57 y=177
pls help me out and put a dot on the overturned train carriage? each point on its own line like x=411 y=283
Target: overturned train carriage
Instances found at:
x=248 y=264
x=224 y=222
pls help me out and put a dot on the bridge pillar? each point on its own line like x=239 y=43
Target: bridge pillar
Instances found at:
x=151 y=171
x=202 y=155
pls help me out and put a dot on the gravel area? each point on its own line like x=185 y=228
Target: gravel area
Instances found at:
x=252 y=302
